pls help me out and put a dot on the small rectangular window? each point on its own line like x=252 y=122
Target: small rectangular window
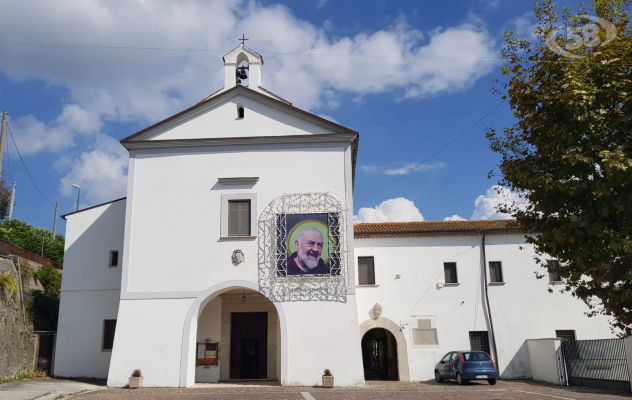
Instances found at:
x=554 y=270
x=565 y=334
x=495 y=271
x=238 y=217
x=449 y=269
x=479 y=341
x=109 y=326
x=114 y=258
x=366 y=271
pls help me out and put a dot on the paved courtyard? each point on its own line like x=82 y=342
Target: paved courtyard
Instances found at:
x=514 y=390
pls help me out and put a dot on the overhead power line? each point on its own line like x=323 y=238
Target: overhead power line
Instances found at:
x=437 y=151
x=302 y=52
x=28 y=173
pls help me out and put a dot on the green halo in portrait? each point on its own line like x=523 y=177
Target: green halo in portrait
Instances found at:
x=309 y=223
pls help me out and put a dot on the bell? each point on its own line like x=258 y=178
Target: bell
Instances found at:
x=241 y=73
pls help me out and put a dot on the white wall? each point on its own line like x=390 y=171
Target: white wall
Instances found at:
x=543 y=360
x=90 y=290
x=521 y=309
x=259 y=120
x=174 y=254
x=176 y=206
x=209 y=327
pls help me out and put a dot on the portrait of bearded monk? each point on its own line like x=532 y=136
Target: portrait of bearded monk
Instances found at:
x=306 y=260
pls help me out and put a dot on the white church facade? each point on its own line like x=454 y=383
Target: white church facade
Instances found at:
x=234 y=256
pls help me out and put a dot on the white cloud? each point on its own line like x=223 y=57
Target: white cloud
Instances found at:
x=454 y=217
x=101 y=172
x=33 y=136
x=486 y=206
x=413 y=167
x=317 y=68
x=399 y=209
x=329 y=118
x=404 y=169
x=523 y=26
x=84 y=52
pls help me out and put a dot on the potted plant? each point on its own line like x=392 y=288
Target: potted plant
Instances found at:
x=136 y=379
x=328 y=379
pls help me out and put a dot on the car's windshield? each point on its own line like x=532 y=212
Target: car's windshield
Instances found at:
x=476 y=356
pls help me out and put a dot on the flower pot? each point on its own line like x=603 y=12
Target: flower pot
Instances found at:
x=328 y=381
x=135 y=382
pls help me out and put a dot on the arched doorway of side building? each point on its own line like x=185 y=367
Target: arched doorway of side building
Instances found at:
x=379 y=355
x=384 y=350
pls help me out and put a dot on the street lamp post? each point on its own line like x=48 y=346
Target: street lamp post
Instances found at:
x=78 y=194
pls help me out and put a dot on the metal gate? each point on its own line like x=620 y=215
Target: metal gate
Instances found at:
x=45 y=350
x=597 y=363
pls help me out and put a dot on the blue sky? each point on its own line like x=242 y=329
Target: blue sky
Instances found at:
x=413 y=77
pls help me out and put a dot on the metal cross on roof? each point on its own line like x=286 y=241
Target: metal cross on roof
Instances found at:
x=243 y=39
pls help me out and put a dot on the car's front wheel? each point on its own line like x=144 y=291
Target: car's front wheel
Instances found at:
x=492 y=381
x=459 y=379
x=438 y=377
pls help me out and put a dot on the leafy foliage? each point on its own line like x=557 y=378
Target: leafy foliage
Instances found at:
x=5 y=199
x=50 y=278
x=570 y=154
x=30 y=238
x=7 y=283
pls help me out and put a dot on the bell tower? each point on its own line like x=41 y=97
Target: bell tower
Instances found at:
x=242 y=66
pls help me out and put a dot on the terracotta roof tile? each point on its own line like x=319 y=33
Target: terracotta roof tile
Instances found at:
x=422 y=228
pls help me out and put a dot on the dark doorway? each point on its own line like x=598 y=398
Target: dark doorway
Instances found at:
x=248 y=345
x=379 y=355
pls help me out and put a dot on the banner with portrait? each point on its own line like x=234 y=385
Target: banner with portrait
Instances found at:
x=308 y=244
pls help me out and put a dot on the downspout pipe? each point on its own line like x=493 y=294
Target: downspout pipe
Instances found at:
x=488 y=312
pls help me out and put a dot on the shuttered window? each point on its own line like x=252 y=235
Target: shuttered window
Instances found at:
x=366 y=271
x=238 y=217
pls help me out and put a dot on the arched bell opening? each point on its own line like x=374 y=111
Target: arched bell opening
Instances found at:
x=242 y=70
x=379 y=355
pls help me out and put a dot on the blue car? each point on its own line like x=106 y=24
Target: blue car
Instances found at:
x=466 y=366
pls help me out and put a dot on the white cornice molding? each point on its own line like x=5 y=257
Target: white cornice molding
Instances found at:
x=228 y=141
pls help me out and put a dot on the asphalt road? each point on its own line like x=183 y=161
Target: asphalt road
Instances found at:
x=514 y=390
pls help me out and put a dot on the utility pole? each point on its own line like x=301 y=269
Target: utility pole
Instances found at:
x=55 y=221
x=3 y=139
x=12 y=201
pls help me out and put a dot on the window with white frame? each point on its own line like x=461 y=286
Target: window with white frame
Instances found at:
x=366 y=271
x=449 y=270
x=554 y=270
x=239 y=213
x=495 y=272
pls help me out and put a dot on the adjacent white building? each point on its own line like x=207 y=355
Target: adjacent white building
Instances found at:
x=182 y=278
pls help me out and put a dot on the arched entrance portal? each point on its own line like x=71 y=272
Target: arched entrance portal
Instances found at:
x=238 y=337
x=379 y=355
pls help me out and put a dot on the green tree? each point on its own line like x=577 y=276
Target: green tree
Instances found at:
x=50 y=278
x=570 y=151
x=23 y=235
x=5 y=199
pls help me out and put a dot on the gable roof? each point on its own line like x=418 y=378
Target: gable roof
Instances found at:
x=427 y=228
x=339 y=132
